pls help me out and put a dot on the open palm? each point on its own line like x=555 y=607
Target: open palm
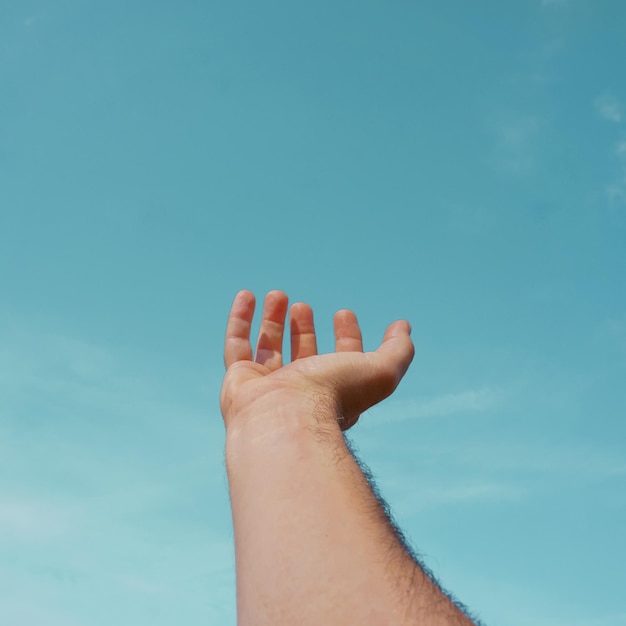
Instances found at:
x=348 y=380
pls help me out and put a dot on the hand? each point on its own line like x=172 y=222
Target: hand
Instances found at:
x=345 y=382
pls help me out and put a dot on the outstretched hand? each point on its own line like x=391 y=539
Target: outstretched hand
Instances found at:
x=345 y=382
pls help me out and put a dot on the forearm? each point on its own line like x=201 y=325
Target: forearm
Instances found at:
x=313 y=544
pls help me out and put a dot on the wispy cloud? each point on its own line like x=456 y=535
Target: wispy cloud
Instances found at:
x=466 y=219
x=608 y=107
x=28 y=519
x=616 y=191
x=610 y=336
x=514 y=151
x=462 y=402
x=613 y=619
x=495 y=457
x=410 y=497
x=615 y=330
x=110 y=481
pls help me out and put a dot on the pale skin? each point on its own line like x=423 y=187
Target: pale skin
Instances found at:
x=312 y=543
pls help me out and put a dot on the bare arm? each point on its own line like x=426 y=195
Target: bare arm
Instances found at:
x=313 y=544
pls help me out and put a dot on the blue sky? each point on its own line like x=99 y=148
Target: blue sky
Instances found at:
x=461 y=165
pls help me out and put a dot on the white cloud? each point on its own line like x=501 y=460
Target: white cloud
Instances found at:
x=558 y=461
x=615 y=332
x=467 y=219
x=27 y=518
x=517 y=132
x=615 y=619
x=449 y=495
x=616 y=194
x=616 y=191
x=608 y=107
x=410 y=496
x=111 y=480
x=463 y=402
x=514 y=151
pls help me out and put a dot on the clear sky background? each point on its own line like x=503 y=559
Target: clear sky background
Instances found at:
x=458 y=164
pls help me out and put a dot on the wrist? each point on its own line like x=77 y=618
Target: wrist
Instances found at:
x=267 y=429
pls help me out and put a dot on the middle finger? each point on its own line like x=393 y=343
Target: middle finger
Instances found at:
x=269 y=349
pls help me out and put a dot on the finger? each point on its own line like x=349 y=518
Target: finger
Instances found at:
x=347 y=332
x=269 y=351
x=396 y=351
x=237 y=343
x=303 y=341
x=379 y=374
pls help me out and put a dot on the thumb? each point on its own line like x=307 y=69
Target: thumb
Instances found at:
x=364 y=386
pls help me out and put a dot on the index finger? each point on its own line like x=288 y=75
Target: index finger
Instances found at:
x=237 y=345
